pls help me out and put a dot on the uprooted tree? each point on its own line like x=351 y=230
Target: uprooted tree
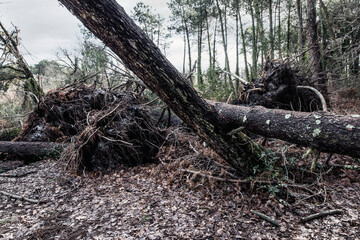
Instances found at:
x=13 y=66
x=109 y=22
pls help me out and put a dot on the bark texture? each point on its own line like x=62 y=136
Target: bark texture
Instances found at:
x=109 y=22
x=29 y=148
x=320 y=130
x=318 y=74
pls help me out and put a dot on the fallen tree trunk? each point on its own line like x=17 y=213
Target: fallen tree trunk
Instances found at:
x=30 y=148
x=320 y=130
x=109 y=22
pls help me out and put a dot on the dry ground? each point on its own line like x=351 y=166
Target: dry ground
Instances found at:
x=160 y=201
x=153 y=202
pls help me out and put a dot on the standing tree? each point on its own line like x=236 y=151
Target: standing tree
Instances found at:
x=222 y=7
x=13 y=66
x=318 y=75
x=181 y=13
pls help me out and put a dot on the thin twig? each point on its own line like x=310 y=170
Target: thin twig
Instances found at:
x=328 y=159
x=22 y=198
x=321 y=214
x=229 y=98
x=17 y=175
x=266 y=218
x=351 y=167
x=32 y=94
x=235 y=131
x=243 y=81
x=152 y=101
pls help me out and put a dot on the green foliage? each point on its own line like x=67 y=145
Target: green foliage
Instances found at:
x=152 y=24
x=10 y=133
x=10 y=109
x=214 y=86
x=10 y=114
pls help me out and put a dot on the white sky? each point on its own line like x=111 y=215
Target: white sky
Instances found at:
x=45 y=26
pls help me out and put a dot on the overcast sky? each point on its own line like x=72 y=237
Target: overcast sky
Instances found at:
x=45 y=26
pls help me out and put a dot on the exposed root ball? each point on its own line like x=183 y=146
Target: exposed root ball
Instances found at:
x=277 y=88
x=104 y=128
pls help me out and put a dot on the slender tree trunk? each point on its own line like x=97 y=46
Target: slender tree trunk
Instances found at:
x=260 y=31
x=318 y=75
x=223 y=34
x=199 y=70
x=214 y=44
x=328 y=20
x=189 y=51
x=279 y=29
x=271 y=31
x=288 y=52
x=227 y=60
x=244 y=49
x=301 y=26
x=184 y=58
x=254 y=42
x=237 y=70
x=109 y=22
x=208 y=39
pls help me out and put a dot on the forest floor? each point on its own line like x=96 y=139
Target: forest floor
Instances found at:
x=153 y=202
x=177 y=199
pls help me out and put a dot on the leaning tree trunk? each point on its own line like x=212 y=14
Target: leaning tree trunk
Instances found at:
x=109 y=22
x=320 y=130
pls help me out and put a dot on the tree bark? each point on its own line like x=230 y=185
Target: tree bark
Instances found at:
x=318 y=74
x=301 y=45
x=30 y=148
x=223 y=27
x=319 y=130
x=109 y=22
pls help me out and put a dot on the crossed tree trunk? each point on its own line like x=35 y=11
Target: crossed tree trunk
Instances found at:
x=212 y=121
x=109 y=22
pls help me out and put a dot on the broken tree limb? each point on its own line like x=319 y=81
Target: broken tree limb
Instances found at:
x=321 y=97
x=22 y=198
x=110 y=23
x=20 y=175
x=323 y=131
x=31 y=148
x=266 y=218
x=321 y=214
x=243 y=81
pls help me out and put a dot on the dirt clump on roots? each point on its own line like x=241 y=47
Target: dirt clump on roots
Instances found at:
x=279 y=86
x=102 y=129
